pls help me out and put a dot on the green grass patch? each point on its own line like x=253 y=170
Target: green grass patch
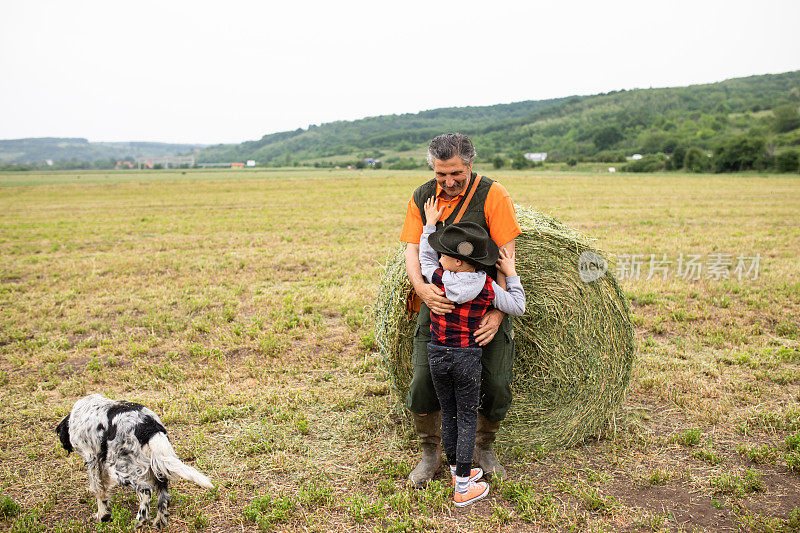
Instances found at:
x=690 y=437
x=268 y=511
x=532 y=505
x=735 y=485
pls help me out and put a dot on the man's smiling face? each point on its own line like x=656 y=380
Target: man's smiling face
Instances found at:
x=451 y=175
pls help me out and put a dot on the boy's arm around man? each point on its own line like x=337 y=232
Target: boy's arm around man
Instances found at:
x=512 y=299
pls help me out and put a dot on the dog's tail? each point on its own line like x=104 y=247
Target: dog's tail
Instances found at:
x=166 y=465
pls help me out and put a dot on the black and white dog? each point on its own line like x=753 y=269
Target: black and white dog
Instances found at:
x=124 y=443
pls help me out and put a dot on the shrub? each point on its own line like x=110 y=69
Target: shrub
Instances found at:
x=498 y=162
x=695 y=160
x=649 y=163
x=519 y=162
x=610 y=156
x=678 y=157
x=788 y=161
x=742 y=152
x=404 y=164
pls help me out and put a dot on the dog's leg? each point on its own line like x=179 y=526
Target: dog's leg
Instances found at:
x=98 y=486
x=144 y=492
x=162 y=516
x=103 y=510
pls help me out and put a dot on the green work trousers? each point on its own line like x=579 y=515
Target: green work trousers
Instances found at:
x=497 y=364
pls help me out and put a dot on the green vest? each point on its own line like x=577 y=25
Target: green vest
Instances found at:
x=474 y=212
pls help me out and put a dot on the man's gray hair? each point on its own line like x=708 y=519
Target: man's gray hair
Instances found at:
x=449 y=145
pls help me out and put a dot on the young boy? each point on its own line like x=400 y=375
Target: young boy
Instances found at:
x=454 y=356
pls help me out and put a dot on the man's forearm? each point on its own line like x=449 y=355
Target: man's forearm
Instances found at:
x=413 y=268
x=501 y=278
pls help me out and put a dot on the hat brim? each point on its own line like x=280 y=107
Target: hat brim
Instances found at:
x=489 y=259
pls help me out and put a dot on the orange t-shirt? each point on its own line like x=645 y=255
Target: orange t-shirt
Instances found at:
x=498 y=208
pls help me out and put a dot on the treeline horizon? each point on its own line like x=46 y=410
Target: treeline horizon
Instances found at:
x=80 y=153
x=750 y=123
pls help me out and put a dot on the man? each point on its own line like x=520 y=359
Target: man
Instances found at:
x=465 y=196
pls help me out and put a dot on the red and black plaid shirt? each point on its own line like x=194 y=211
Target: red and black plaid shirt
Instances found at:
x=455 y=328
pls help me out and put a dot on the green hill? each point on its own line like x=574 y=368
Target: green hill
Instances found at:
x=37 y=150
x=599 y=127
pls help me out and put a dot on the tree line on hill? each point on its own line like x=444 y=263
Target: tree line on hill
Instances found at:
x=742 y=124
x=748 y=123
x=66 y=153
x=65 y=164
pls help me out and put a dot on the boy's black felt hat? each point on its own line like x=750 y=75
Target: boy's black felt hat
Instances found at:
x=467 y=241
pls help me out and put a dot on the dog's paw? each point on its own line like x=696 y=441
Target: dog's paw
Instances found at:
x=160 y=522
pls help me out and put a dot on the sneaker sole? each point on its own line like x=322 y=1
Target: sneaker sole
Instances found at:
x=473 y=500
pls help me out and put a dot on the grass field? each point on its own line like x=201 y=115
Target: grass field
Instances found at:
x=237 y=306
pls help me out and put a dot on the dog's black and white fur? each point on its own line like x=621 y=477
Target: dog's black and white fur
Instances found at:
x=124 y=443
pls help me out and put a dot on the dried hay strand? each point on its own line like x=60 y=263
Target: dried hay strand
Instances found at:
x=574 y=345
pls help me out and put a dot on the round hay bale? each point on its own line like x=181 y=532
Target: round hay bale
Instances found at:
x=574 y=344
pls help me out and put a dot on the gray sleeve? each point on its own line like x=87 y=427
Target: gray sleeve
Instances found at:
x=428 y=258
x=512 y=300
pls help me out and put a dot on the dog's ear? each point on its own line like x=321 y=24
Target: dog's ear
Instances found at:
x=63 y=434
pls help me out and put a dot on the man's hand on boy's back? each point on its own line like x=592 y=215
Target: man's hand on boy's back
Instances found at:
x=435 y=299
x=432 y=211
x=506 y=263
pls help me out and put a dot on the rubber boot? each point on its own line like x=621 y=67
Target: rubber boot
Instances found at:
x=429 y=429
x=484 y=453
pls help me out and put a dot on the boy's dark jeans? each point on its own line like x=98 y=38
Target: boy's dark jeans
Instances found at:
x=456 y=374
x=497 y=365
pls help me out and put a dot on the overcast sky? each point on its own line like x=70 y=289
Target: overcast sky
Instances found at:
x=209 y=72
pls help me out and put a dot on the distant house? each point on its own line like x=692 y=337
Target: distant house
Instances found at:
x=251 y=163
x=536 y=157
x=237 y=165
x=371 y=161
x=634 y=157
